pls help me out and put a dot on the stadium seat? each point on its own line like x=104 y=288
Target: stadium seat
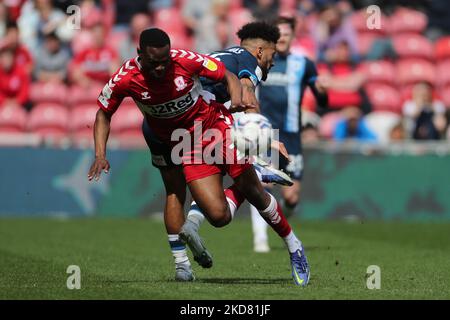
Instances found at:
x=405 y=20
x=82 y=119
x=127 y=118
x=328 y=124
x=49 y=121
x=365 y=42
x=359 y=21
x=442 y=48
x=410 y=71
x=378 y=71
x=384 y=97
x=413 y=46
x=79 y=95
x=381 y=123
x=48 y=92
x=12 y=119
x=443 y=74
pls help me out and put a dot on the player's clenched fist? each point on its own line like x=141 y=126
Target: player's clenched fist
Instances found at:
x=99 y=165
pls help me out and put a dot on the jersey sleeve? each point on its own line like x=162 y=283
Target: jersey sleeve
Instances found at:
x=201 y=65
x=112 y=94
x=248 y=68
x=310 y=72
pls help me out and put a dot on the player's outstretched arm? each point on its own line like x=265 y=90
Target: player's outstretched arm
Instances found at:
x=235 y=90
x=101 y=132
x=249 y=95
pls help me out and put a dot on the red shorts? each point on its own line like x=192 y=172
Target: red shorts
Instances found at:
x=215 y=153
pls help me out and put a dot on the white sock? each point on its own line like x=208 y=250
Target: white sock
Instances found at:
x=292 y=242
x=232 y=207
x=195 y=215
x=178 y=249
x=259 y=226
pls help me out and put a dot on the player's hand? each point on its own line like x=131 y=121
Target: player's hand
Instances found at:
x=99 y=165
x=278 y=145
x=241 y=107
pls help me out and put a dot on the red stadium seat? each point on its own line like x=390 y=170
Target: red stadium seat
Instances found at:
x=48 y=92
x=328 y=124
x=442 y=48
x=413 y=46
x=50 y=121
x=411 y=71
x=384 y=97
x=378 y=71
x=365 y=42
x=406 y=20
x=82 y=119
x=12 y=119
x=79 y=95
x=127 y=118
x=359 y=20
x=443 y=74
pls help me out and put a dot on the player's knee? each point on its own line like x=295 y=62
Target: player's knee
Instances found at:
x=220 y=217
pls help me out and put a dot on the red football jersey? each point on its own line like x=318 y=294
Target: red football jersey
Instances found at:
x=96 y=62
x=175 y=101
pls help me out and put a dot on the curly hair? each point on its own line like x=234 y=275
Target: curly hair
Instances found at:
x=259 y=30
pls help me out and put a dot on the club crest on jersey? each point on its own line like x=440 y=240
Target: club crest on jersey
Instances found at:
x=145 y=95
x=210 y=65
x=180 y=83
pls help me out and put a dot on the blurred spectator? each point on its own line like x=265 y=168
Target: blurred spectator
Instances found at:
x=14 y=80
x=95 y=64
x=3 y=19
x=52 y=60
x=303 y=43
x=310 y=134
x=345 y=83
x=398 y=133
x=13 y=7
x=194 y=11
x=21 y=54
x=93 y=13
x=214 y=31
x=424 y=116
x=126 y=9
x=330 y=30
x=139 y=22
x=39 y=18
x=354 y=127
x=266 y=10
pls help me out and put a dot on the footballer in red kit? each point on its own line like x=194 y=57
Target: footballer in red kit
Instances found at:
x=165 y=85
x=174 y=101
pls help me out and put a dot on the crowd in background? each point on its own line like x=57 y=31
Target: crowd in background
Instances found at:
x=385 y=84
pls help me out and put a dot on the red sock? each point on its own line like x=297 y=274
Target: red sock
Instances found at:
x=234 y=195
x=275 y=218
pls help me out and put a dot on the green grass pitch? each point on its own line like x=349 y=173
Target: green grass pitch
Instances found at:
x=130 y=259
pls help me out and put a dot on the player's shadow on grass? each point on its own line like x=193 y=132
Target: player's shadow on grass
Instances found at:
x=244 y=280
